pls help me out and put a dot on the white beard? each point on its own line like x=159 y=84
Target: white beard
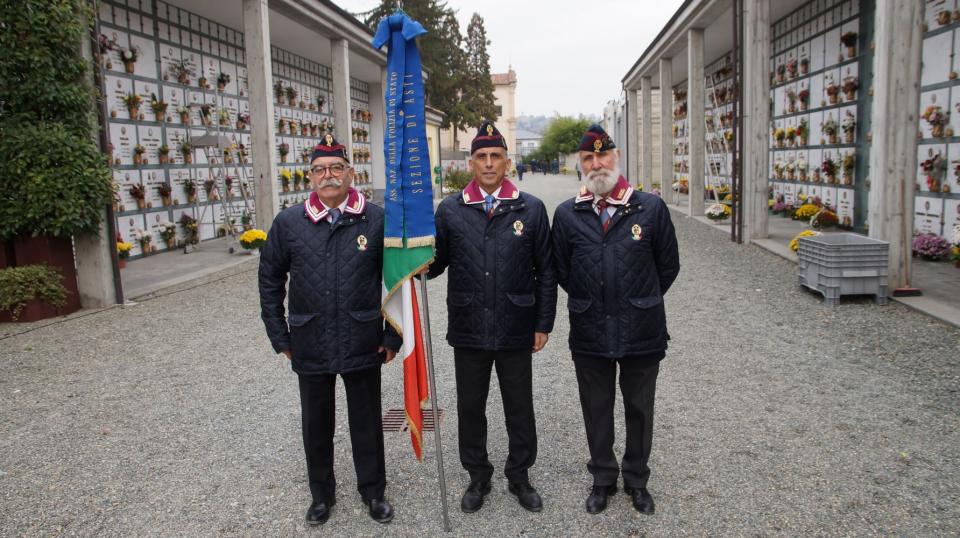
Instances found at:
x=602 y=181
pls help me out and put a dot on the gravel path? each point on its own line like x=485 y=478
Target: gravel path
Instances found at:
x=775 y=415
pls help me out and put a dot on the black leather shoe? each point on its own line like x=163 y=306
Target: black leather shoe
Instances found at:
x=319 y=512
x=528 y=497
x=380 y=510
x=473 y=498
x=597 y=500
x=642 y=500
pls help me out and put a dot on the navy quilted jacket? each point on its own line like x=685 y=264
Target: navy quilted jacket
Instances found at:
x=616 y=280
x=501 y=287
x=334 y=324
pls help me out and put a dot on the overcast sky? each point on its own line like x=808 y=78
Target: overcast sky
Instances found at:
x=569 y=56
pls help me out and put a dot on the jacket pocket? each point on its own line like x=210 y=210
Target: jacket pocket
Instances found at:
x=365 y=315
x=301 y=336
x=461 y=313
x=646 y=324
x=522 y=300
x=578 y=306
x=299 y=320
x=646 y=302
x=366 y=331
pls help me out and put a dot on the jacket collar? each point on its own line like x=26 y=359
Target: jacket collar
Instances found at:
x=472 y=194
x=618 y=196
x=316 y=211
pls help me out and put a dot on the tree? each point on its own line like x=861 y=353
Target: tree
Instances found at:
x=562 y=137
x=478 y=88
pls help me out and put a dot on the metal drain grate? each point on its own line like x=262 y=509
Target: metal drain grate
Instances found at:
x=395 y=420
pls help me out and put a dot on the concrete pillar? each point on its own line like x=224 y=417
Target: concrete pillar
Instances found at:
x=633 y=141
x=756 y=116
x=340 y=67
x=646 y=135
x=666 y=130
x=896 y=103
x=695 y=114
x=256 y=27
x=378 y=167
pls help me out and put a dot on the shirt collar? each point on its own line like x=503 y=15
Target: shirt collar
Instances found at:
x=618 y=196
x=317 y=211
x=473 y=194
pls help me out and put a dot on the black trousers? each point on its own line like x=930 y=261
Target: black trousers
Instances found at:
x=317 y=405
x=596 y=378
x=515 y=373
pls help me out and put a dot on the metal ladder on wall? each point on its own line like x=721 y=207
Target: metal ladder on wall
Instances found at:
x=715 y=139
x=216 y=146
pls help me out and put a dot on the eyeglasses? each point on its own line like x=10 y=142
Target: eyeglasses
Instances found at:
x=336 y=170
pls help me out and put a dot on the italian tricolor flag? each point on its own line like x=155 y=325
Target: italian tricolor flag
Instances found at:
x=401 y=310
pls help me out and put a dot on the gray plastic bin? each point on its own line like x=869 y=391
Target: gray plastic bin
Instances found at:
x=844 y=264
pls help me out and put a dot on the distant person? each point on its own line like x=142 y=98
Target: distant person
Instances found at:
x=520 y=172
x=579 y=173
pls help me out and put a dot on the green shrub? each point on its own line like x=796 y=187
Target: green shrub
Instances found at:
x=21 y=284
x=457 y=179
x=53 y=179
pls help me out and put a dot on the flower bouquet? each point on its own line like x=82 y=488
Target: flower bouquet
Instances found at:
x=847 y=164
x=132 y=102
x=795 y=242
x=779 y=134
x=829 y=128
x=182 y=70
x=285 y=177
x=190 y=190
x=138 y=152
x=253 y=239
x=164 y=191
x=850 y=86
x=184 y=113
x=278 y=92
x=829 y=168
x=806 y=211
x=129 y=57
x=936 y=118
x=824 y=218
x=168 y=232
x=803 y=97
x=185 y=150
x=717 y=212
x=933 y=168
x=291 y=94
x=791 y=101
x=849 y=40
x=849 y=127
x=833 y=92
x=930 y=246
x=803 y=132
x=284 y=149
x=123 y=251
x=243 y=120
x=144 y=238
x=222 y=80
x=191 y=228
x=159 y=108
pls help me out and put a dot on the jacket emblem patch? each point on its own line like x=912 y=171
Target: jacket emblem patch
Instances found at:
x=518 y=228
x=361 y=242
x=637 y=232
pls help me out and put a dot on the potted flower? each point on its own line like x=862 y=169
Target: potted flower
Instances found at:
x=833 y=92
x=164 y=190
x=792 y=68
x=849 y=40
x=801 y=166
x=210 y=187
x=936 y=118
x=129 y=58
x=190 y=190
x=803 y=132
x=243 y=120
x=305 y=155
x=253 y=239
x=285 y=177
x=805 y=212
x=791 y=101
x=278 y=91
x=202 y=82
x=224 y=117
x=943 y=17
x=222 y=80
x=825 y=218
x=850 y=85
x=228 y=186
x=164 y=152
x=717 y=212
x=185 y=150
x=298 y=179
x=191 y=229
x=246 y=221
x=803 y=97
x=168 y=232
x=132 y=101
x=778 y=135
x=291 y=93
x=281 y=125
x=795 y=242
x=123 y=252
x=790 y=171
x=181 y=69
x=293 y=126
x=791 y=135
x=829 y=128
x=110 y=150
x=159 y=108
x=933 y=169
x=206 y=113
x=184 y=113
x=847 y=164
x=138 y=152
x=284 y=149
x=144 y=238
x=320 y=102
x=804 y=66
x=930 y=246
x=304 y=129
x=849 y=127
x=955 y=240
x=778 y=170
x=314 y=129
x=829 y=168
x=781 y=73
x=228 y=155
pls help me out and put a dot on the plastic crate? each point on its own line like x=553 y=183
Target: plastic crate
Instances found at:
x=844 y=264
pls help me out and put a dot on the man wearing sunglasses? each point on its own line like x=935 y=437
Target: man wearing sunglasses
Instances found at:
x=331 y=248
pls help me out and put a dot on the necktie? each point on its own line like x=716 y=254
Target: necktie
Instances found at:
x=334 y=216
x=488 y=202
x=604 y=216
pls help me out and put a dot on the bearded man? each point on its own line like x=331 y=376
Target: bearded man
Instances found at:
x=615 y=254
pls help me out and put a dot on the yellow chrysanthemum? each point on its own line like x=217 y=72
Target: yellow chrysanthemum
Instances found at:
x=795 y=242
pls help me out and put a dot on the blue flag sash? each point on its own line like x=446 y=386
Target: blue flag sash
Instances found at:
x=408 y=201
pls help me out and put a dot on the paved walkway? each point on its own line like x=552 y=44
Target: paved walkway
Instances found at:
x=775 y=415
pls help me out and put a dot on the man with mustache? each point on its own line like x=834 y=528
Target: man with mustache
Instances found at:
x=616 y=255
x=331 y=247
x=501 y=300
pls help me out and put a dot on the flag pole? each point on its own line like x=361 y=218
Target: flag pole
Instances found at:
x=428 y=340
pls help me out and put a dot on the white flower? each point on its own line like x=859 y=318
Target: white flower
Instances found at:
x=955 y=235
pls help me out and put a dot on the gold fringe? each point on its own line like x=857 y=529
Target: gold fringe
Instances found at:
x=393 y=242
x=396 y=326
x=416 y=432
x=425 y=241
